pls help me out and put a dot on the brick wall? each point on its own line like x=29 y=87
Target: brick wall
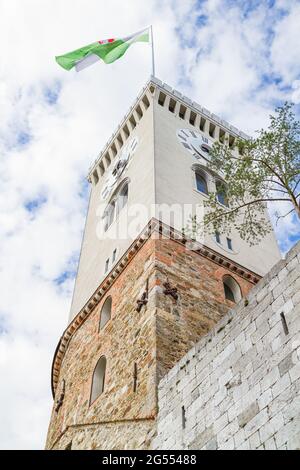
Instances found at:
x=239 y=386
x=155 y=338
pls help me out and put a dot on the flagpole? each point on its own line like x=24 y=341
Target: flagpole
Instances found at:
x=152 y=44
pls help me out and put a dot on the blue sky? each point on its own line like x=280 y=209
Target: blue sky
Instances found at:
x=239 y=59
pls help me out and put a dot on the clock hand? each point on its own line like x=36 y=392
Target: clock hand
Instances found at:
x=197 y=151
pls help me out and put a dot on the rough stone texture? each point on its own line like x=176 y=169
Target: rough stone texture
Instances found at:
x=156 y=338
x=240 y=384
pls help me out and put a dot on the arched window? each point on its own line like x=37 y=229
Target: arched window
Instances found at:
x=116 y=204
x=201 y=183
x=98 y=379
x=232 y=289
x=221 y=193
x=105 y=312
x=122 y=198
x=110 y=214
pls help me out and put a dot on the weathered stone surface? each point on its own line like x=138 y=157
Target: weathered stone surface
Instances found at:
x=258 y=407
x=155 y=338
x=248 y=414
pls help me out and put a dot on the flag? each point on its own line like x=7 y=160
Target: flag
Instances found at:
x=108 y=50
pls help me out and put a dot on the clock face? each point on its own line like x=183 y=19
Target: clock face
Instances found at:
x=118 y=166
x=195 y=143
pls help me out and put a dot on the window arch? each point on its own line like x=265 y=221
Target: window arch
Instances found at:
x=232 y=289
x=221 y=193
x=98 y=379
x=105 y=314
x=116 y=204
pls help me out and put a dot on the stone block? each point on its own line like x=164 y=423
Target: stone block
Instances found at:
x=254 y=441
x=286 y=364
x=248 y=414
x=202 y=439
x=256 y=422
x=281 y=385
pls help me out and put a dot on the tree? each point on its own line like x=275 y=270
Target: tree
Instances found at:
x=253 y=173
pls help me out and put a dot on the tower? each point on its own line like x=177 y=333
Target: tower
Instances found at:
x=144 y=294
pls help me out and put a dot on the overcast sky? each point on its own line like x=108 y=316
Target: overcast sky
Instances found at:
x=239 y=59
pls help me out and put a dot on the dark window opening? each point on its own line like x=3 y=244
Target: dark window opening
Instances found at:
x=201 y=183
x=182 y=111
x=172 y=105
x=98 y=379
x=105 y=314
x=228 y=293
x=229 y=243
x=161 y=99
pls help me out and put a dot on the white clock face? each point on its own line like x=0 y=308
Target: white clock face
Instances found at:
x=118 y=166
x=195 y=143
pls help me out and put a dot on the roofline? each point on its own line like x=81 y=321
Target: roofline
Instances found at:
x=179 y=96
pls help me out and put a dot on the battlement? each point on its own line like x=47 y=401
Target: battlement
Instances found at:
x=192 y=112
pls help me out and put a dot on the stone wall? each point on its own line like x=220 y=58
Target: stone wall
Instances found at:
x=155 y=338
x=239 y=386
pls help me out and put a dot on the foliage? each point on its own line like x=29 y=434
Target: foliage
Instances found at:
x=259 y=171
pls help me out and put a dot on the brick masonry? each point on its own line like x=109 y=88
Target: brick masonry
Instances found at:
x=239 y=386
x=155 y=338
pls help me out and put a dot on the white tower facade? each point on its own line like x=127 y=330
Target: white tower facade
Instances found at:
x=156 y=160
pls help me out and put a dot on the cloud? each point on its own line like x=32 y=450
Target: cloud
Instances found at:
x=53 y=125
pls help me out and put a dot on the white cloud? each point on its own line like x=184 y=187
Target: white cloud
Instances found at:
x=285 y=50
x=221 y=61
x=296 y=91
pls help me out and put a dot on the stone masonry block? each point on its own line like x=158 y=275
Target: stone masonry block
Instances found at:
x=286 y=364
x=248 y=414
x=202 y=439
x=256 y=422
x=281 y=385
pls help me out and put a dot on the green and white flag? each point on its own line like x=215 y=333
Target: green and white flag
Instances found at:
x=108 y=50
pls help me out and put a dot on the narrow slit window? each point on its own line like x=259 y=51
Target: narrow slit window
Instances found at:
x=231 y=141
x=120 y=140
x=95 y=177
x=192 y=118
x=126 y=131
x=182 y=111
x=183 y=417
x=202 y=123
x=114 y=255
x=101 y=169
x=114 y=149
x=222 y=136
x=229 y=243
x=107 y=159
x=161 y=99
x=139 y=111
x=172 y=105
x=132 y=121
x=217 y=237
x=106 y=265
x=134 y=377
x=212 y=129
x=284 y=324
x=146 y=101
